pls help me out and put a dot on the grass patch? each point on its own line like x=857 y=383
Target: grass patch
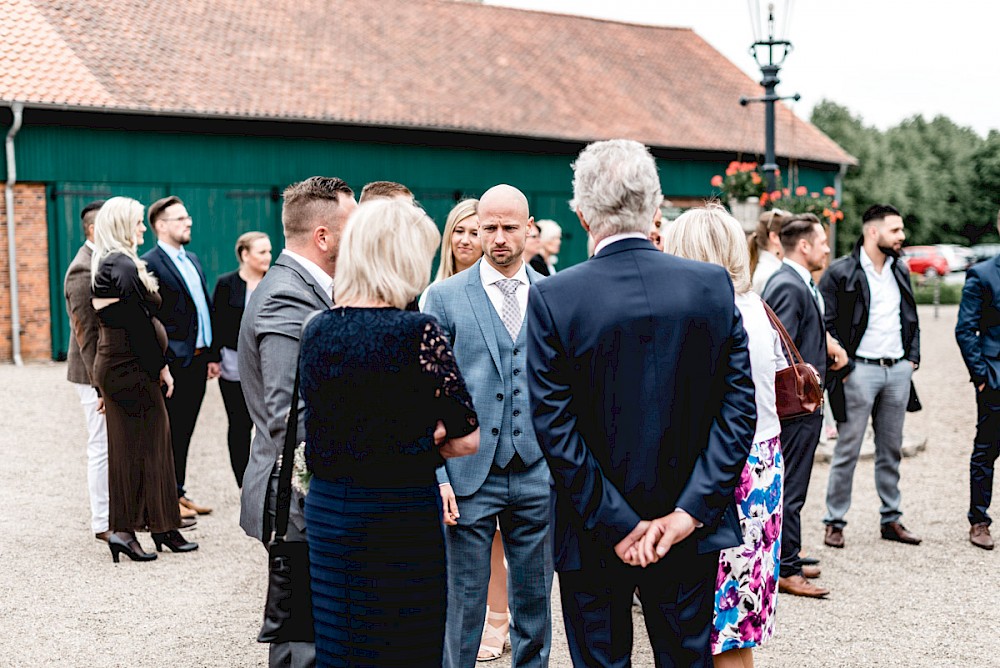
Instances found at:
x=924 y=293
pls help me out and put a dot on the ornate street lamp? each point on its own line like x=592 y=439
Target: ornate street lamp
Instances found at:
x=770 y=54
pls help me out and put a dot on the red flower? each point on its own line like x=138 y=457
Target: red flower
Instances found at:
x=717 y=181
x=836 y=204
x=830 y=191
x=776 y=195
x=755 y=177
x=840 y=215
x=786 y=191
x=732 y=169
x=763 y=199
x=801 y=190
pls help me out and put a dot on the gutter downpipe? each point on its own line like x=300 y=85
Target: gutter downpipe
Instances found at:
x=15 y=313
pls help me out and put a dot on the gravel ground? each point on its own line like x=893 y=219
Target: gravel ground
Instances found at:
x=63 y=602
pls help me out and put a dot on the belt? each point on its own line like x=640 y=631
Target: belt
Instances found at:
x=200 y=351
x=882 y=361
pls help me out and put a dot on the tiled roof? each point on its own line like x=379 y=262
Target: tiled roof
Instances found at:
x=405 y=63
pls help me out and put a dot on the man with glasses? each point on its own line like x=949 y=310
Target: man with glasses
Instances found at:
x=186 y=315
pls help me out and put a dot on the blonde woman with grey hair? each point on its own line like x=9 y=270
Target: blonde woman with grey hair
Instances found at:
x=747 y=582
x=384 y=402
x=129 y=369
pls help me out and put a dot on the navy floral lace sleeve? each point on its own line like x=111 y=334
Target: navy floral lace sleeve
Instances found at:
x=375 y=382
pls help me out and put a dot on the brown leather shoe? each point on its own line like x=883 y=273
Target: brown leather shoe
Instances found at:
x=104 y=535
x=897 y=532
x=796 y=585
x=834 y=536
x=979 y=535
x=186 y=513
x=191 y=505
x=811 y=572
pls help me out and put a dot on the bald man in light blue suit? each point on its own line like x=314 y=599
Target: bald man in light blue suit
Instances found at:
x=482 y=311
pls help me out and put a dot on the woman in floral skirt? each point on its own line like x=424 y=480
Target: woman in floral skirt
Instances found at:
x=746 y=585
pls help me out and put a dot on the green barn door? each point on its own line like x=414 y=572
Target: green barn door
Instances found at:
x=66 y=236
x=220 y=215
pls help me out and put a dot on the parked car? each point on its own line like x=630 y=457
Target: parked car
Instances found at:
x=959 y=258
x=985 y=251
x=926 y=261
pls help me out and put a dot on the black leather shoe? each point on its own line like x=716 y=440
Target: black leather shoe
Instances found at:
x=809 y=561
x=897 y=532
x=128 y=546
x=174 y=540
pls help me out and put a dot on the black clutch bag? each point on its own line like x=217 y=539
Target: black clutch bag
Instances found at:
x=288 y=613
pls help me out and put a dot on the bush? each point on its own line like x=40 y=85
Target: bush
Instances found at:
x=924 y=293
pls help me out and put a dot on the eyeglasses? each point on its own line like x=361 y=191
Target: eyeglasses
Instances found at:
x=182 y=219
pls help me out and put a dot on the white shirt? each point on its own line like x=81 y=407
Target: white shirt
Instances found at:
x=808 y=280
x=607 y=241
x=489 y=275
x=883 y=337
x=766 y=358
x=90 y=244
x=767 y=264
x=322 y=278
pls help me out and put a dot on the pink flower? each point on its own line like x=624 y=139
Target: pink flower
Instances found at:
x=829 y=191
x=716 y=181
x=801 y=190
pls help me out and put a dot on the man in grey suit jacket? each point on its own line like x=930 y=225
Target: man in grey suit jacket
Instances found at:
x=299 y=283
x=85 y=328
x=482 y=311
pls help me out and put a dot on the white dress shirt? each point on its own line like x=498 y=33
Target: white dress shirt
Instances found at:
x=883 y=338
x=766 y=358
x=489 y=275
x=324 y=279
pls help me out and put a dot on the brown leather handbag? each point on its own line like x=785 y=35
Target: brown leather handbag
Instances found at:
x=797 y=391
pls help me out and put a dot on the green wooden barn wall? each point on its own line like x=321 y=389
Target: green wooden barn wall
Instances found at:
x=231 y=183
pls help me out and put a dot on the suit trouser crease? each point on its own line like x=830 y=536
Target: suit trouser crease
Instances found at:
x=985 y=450
x=97 y=458
x=183 y=408
x=240 y=427
x=880 y=394
x=799 y=438
x=520 y=501
x=676 y=595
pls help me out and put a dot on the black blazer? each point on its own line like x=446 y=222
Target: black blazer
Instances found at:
x=177 y=313
x=642 y=400
x=228 y=303
x=846 y=295
x=793 y=302
x=538 y=264
x=978 y=327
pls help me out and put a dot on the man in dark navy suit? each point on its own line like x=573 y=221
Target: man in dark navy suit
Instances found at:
x=186 y=315
x=978 y=335
x=792 y=294
x=643 y=405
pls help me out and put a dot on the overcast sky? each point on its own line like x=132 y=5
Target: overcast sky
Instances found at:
x=886 y=60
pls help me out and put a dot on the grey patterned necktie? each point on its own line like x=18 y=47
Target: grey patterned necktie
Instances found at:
x=510 y=312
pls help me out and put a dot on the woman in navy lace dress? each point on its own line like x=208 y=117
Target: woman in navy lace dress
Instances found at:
x=384 y=402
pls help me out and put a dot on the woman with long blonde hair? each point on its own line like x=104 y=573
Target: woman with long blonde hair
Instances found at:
x=746 y=585
x=460 y=247
x=129 y=369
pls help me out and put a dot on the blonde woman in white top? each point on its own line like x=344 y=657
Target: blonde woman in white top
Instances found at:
x=765 y=247
x=748 y=573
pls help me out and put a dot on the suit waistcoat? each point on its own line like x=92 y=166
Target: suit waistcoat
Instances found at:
x=517 y=434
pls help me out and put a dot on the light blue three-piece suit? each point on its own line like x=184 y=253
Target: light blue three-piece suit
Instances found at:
x=507 y=480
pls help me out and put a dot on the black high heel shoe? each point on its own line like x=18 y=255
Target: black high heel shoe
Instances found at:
x=118 y=546
x=174 y=540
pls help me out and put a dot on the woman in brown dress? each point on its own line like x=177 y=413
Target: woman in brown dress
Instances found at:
x=129 y=369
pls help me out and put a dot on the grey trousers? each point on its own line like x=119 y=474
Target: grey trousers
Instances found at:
x=287 y=654
x=879 y=393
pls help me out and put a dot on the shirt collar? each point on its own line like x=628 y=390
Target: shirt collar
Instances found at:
x=490 y=275
x=800 y=270
x=172 y=252
x=323 y=279
x=90 y=244
x=607 y=241
x=866 y=262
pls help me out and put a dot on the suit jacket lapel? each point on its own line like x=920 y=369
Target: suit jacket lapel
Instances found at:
x=173 y=271
x=290 y=263
x=482 y=310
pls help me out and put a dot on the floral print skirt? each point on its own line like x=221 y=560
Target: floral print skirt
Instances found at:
x=747 y=584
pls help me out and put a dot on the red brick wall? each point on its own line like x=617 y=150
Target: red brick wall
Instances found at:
x=31 y=239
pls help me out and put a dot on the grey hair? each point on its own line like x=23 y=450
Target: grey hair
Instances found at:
x=711 y=234
x=616 y=187
x=548 y=229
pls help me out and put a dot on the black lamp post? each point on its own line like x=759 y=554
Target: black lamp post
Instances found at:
x=770 y=54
